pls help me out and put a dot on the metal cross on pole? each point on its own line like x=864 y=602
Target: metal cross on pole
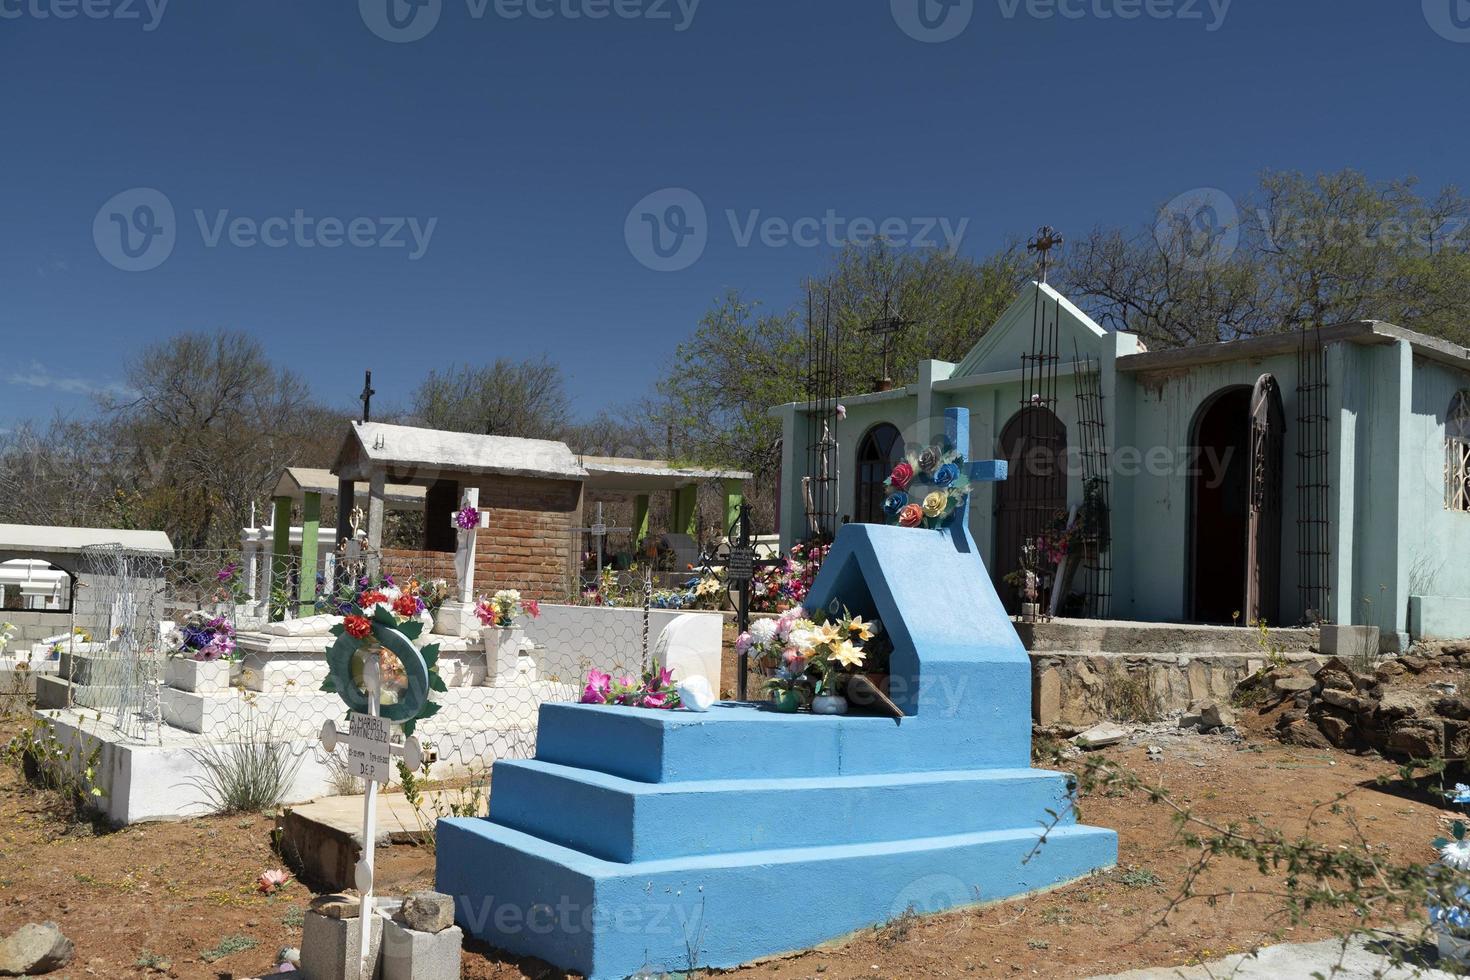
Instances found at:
x=740 y=569
x=1046 y=239
x=598 y=531
x=370 y=752
x=367 y=397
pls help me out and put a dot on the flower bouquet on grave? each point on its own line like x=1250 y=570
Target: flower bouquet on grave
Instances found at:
x=656 y=690
x=1449 y=888
x=504 y=608
x=204 y=638
x=806 y=659
x=927 y=488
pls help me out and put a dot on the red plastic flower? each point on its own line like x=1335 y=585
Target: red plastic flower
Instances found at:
x=406 y=606
x=358 y=627
x=911 y=516
x=903 y=475
x=371 y=598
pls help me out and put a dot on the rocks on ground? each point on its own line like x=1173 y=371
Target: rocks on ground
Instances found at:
x=34 y=949
x=1393 y=709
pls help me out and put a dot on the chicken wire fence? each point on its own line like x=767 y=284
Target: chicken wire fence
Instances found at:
x=216 y=647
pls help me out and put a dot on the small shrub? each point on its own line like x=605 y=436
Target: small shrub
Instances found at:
x=465 y=801
x=250 y=775
x=897 y=929
x=1140 y=878
x=58 y=766
x=228 y=946
x=1127 y=697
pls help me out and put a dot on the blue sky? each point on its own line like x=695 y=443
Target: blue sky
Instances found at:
x=499 y=168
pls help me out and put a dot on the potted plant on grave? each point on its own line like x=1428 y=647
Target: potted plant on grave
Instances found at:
x=202 y=654
x=1449 y=888
x=498 y=615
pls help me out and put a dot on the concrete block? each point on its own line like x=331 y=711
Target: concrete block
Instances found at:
x=325 y=945
x=412 y=955
x=1349 y=641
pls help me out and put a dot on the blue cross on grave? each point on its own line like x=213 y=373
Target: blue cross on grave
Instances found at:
x=957 y=436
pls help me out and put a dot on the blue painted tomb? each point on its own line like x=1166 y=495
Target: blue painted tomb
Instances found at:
x=676 y=840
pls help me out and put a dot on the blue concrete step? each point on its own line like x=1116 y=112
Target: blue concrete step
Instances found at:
x=638 y=821
x=608 y=920
x=741 y=741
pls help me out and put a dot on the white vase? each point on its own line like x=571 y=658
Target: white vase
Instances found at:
x=502 y=654
x=829 y=704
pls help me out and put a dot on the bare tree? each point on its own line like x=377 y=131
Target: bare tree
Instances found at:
x=506 y=398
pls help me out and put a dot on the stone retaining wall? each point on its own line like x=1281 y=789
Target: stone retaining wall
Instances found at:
x=1078 y=690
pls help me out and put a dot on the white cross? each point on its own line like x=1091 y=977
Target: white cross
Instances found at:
x=464 y=554
x=370 y=752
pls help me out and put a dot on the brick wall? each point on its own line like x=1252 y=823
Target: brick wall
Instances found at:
x=528 y=545
x=405 y=563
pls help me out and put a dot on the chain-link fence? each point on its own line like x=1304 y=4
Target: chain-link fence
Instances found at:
x=208 y=648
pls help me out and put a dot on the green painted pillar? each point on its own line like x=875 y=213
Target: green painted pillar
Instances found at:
x=734 y=497
x=640 y=518
x=280 y=555
x=311 y=522
x=685 y=512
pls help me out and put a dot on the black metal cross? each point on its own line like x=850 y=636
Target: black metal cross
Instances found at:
x=1046 y=239
x=367 y=397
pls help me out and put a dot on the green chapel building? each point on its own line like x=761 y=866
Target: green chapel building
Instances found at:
x=1288 y=479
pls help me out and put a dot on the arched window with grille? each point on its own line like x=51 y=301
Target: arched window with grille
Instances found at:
x=879 y=452
x=1457 y=453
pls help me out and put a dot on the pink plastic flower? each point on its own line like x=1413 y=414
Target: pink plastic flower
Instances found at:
x=532 y=608
x=272 y=881
x=599 y=687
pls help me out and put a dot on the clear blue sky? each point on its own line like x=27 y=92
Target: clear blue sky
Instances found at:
x=530 y=140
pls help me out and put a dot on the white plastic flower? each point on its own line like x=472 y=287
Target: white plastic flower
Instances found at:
x=1456 y=854
x=763 y=631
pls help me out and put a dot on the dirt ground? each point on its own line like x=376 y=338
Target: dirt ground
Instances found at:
x=174 y=899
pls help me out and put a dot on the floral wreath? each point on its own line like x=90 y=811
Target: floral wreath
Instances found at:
x=927 y=488
x=396 y=635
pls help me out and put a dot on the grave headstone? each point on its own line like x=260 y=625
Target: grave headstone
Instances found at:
x=683 y=839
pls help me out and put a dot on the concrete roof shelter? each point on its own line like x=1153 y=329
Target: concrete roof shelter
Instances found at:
x=410 y=453
x=643 y=475
x=298 y=481
x=52 y=543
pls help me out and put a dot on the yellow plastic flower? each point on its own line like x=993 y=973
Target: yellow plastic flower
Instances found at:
x=858 y=628
x=936 y=504
x=847 y=655
x=828 y=633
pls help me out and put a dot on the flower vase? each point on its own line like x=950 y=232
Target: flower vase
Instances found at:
x=829 y=704
x=785 y=702
x=502 y=654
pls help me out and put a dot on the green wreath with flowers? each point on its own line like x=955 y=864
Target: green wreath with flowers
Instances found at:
x=404 y=695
